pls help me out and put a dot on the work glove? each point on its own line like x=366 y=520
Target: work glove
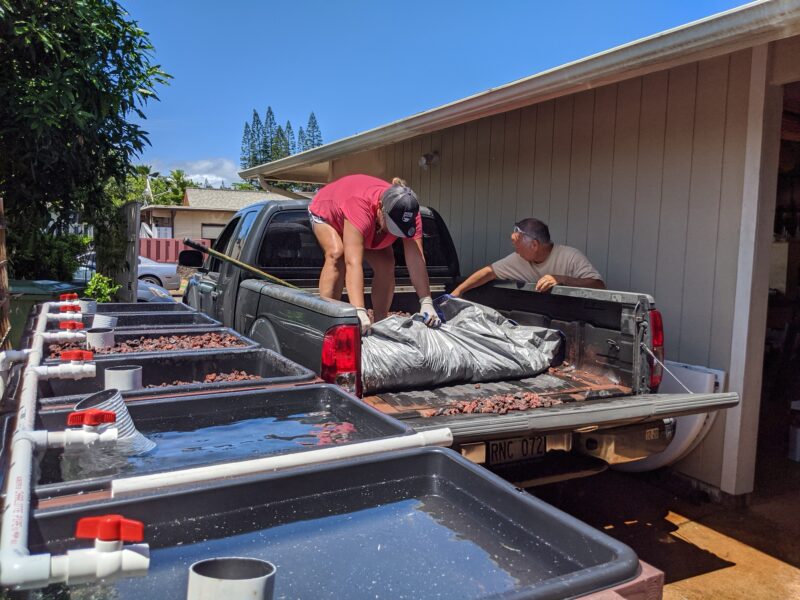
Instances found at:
x=427 y=310
x=364 y=318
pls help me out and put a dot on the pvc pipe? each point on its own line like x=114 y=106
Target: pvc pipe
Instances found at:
x=70 y=370
x=88 y=305
x=86 y=436
x=103 y=320
x=9 y=357
x=231 y=577
x=62 y=336
x=100 y=337
x=106 y=560
x=123 y=378
x=434 y=437
x=67 y=316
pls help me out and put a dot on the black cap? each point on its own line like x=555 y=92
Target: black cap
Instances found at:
x=400 y=208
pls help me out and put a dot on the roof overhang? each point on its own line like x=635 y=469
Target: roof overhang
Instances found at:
x=189 y=208
x=755 y=23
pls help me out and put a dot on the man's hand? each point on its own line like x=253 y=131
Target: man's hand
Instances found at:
x=363 y=316
x=455 y=293
x=546 y=283
x=427 y=310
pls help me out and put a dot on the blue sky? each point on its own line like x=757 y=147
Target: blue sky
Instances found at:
x=358 y=64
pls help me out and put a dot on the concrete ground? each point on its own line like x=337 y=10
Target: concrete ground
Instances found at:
x=707 y=550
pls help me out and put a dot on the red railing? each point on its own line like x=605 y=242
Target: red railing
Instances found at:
x=164 y=250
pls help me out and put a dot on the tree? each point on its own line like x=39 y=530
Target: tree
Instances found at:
x=246 y=158
x=270 y=129
x=291 y=142
x=301 y=140
x=73 y=75
x=176 y=187
x=313 y=134
x=256 y=139
x=280 y=145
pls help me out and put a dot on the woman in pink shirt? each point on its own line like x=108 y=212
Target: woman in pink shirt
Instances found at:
x=359 y=217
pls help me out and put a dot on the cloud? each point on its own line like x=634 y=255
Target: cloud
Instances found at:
x=215 y=170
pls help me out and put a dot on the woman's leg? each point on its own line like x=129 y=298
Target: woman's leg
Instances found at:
x=382 y=263
x=331 y=279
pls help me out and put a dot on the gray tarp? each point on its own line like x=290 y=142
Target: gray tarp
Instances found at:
x=476 y=344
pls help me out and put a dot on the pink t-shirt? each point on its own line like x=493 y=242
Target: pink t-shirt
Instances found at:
x=355 y=198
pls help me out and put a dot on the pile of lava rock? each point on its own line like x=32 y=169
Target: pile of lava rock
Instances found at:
x=156 y=344
x=498 y=404
x=334 y=433
x=234 y=375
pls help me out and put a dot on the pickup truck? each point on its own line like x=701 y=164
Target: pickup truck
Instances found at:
x=607 y=408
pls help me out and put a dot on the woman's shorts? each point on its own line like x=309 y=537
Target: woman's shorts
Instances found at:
x=312 y=218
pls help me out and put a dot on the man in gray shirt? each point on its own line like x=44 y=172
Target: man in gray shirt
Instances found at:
x=537 y=260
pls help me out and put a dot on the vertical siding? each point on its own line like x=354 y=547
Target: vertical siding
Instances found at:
x=644 y=176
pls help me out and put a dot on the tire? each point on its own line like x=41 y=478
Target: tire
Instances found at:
x=151 y=279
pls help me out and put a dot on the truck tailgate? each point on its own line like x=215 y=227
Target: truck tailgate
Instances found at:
x=601 y=405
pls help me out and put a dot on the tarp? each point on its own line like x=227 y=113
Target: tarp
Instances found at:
x=475 y=344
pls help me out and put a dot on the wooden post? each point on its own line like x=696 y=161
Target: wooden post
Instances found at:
x=5 y=293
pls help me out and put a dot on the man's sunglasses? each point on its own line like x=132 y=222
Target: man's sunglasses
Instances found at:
x=523 y=233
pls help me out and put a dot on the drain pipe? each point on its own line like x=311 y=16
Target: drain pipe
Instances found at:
x=434 y=437
x=18 y=568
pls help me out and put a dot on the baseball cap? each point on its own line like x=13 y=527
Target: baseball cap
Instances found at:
x=400 y=207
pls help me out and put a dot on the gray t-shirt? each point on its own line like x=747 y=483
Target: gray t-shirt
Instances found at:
x=563 y=260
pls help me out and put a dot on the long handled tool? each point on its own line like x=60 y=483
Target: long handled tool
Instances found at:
x=238 y=263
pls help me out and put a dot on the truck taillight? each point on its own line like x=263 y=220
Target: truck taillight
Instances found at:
x=341 y=357
x=657 y=342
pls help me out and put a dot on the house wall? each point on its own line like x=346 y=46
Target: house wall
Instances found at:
x=188 y=223
x=645 y=176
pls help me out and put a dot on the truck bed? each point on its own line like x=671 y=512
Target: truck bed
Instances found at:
x=565 y=384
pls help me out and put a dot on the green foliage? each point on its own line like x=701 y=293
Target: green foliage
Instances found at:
x=280 y=145
x=73 y=76
x=101 y=288
x=268 y=139
x=313 y=133
x=246 y=158
x=245 y=185
x=301 y=140
x=256 y=137
x=44 y=255
x=290 y=138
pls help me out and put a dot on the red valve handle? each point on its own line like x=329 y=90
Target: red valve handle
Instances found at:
x=71 y=325
x=76 y=355
x=110 y=528
x=91 y=416
x=67 y=297
x=69 y=308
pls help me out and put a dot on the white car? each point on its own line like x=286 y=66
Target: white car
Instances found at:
x=164 y=275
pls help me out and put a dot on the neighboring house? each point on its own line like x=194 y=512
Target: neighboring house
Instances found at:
x=658 y=159
x=204 y=212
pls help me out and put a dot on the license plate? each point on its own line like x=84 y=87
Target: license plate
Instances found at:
x=505 y=451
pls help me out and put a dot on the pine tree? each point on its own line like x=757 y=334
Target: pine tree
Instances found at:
x=280 y=144
x=268 y=139
x=313 y=134
x=301 y=140
x=256 y=137
x=291 y=142
x=245 y=160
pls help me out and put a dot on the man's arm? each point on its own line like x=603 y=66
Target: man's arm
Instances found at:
x=546 y=283
x=477 y=279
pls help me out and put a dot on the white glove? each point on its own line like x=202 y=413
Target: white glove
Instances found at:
x=364 y=318
x=427 y=310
